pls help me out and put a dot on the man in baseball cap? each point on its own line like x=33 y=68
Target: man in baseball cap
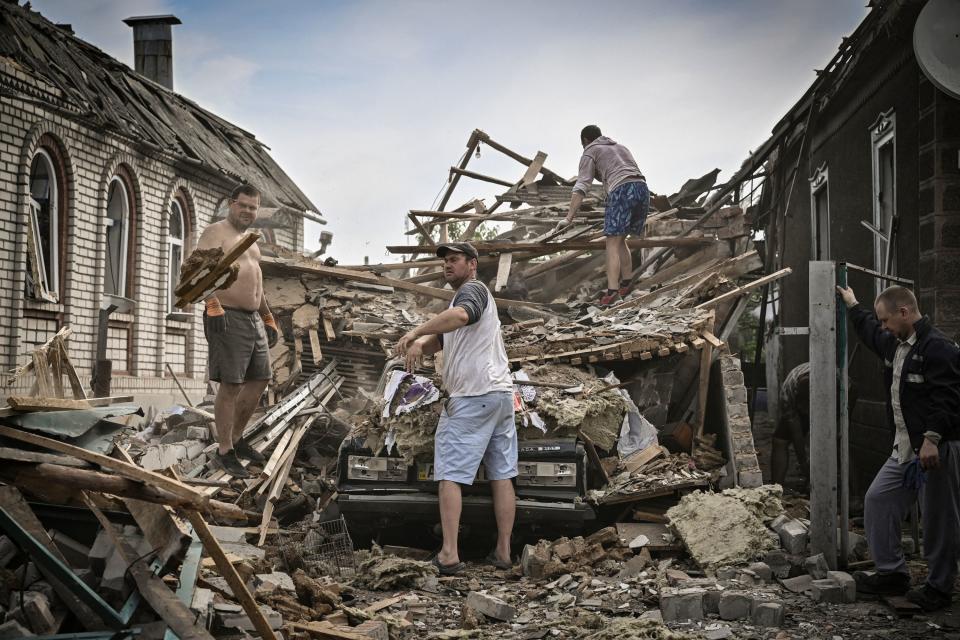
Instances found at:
x=476 y=424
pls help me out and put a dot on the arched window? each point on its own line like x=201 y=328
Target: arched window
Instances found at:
x=118 y=238
x=44 y=232
x=176 y=240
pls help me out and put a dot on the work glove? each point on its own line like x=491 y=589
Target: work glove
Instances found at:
x=216 y=317
x=914 y=477
x=563 y=224
x=273 y=332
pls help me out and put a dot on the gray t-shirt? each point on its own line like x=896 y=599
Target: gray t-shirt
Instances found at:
x=474 y=357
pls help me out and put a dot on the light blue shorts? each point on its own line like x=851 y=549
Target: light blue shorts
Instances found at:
x=474 y=429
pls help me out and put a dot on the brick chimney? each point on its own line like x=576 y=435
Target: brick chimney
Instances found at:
x=153 y=47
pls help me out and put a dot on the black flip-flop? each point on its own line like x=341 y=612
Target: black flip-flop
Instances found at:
x=447 y=569
x=497 y=562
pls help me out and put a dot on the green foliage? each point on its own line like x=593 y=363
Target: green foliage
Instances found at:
x=747 y=328
x=455 y=229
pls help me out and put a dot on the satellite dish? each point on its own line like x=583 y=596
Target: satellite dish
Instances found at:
x=936 y=43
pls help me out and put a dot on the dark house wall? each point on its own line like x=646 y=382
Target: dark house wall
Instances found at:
x=885 y=76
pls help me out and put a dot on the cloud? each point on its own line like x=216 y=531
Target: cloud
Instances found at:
x=367 y=104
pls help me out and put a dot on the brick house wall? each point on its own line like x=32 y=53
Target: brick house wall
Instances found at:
x=141 y=342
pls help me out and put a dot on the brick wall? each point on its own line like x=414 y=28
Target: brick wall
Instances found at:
x=939 y=237
x=146 y=338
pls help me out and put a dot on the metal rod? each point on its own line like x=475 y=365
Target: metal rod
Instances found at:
x=179 y=386
x=876 y=274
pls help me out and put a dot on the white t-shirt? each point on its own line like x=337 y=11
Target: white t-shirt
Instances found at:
x=474 y=357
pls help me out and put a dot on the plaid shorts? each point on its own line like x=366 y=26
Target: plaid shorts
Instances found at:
x=627 y=207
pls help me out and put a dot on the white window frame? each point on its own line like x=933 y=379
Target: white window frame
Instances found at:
x=124 y=233
x=172 y=242
x=819 y=182
x=882 y=132
x=51 y=289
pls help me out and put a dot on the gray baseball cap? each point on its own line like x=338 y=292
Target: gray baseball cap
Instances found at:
x=460 y=247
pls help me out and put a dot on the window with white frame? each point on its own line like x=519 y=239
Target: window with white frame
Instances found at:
x=176 y=235
x=118 y=223
x=883 y=153
x=44 y=232
x=820 y=215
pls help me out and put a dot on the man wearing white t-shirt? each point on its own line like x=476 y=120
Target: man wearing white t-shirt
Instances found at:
x=477 y=422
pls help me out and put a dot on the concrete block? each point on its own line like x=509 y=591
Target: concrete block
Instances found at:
x=201 y=434
x=817 y=566
x=762 y=571
x=826 y=590
x=750 y=479
x=727 y=573
x=533 y=560
x=491 y=606
x=735 y=605
x=76 y=553
x=793 y=537
x=100 y=552
x=279 y=579
x=908 y=546
x=605 y=536
x=36 y=606
x=847 y=583
x=798 y=584
x=8 y=551
x=779 y=521
x=711 y=601
x=232 y=616
x=769 y=614
x=376 y=629
x=685 y=604
x=778 y=562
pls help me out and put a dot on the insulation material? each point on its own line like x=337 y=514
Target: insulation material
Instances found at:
x=722 y=529
x=387 y=572
x=598 y=414
x=634 y=629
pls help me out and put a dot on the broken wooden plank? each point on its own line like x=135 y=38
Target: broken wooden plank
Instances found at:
x=127 y=470
x=739 y=291
x=229 y=573
x=503 y=271
x=20 y=455
x=315 y=345
x=231 y=256
x=27 y=403
x=566 y=245
x=328 y=331
x=158 y=595
x=533 y=169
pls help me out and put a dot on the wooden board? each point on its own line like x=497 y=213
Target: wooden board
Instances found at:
x=503 y=271
x=315 y=345
x=533 y=170
x=126 y=470
x=229 y=258
x=36 y=457
x=229 y=573
x=566 y=245
x=739 y=291
x=29 y=403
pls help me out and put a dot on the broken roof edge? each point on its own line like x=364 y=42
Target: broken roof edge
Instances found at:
x=285 y=192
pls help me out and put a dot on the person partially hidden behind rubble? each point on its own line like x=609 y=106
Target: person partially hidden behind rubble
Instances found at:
x=628 y=201
x=922 y=378
x=240 y=330
x=477 y=422
x=793 y=427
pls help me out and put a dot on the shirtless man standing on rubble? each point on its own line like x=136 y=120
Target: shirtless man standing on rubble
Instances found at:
x=240 y=330
x=476 y=424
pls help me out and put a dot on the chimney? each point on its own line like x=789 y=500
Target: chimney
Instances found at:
x=153 y=47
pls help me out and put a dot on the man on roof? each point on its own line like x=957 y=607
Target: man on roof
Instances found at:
x=628 y=201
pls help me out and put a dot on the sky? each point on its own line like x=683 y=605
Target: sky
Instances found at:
x=367 y=103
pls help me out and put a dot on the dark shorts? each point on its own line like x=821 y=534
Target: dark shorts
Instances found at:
x=627 y=207
x=240 y=353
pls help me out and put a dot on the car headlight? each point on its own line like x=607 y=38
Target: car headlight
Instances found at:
x=380 y=469
x=547 y=474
